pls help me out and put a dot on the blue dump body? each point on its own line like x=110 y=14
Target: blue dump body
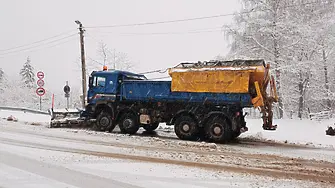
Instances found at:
x=160 y=91
x=135 y=87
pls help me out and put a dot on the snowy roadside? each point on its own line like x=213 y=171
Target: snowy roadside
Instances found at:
x=297 y=132
x=163 y=146
x=141 y=174
x=293 y=131
x=25 y=117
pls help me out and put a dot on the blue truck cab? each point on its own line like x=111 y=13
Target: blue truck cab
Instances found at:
x=132 y=101
x=105 y=86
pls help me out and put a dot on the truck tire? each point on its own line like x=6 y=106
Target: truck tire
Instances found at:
x=186 y=128
x=104 y=122
x=150 y=127
x=218 y=130
x=129 y=124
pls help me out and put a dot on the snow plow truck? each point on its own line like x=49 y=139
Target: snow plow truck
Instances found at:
x=203 y=100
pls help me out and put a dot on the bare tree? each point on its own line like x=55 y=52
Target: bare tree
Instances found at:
x=111 y=58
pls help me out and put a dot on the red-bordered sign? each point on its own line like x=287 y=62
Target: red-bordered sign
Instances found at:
x=40 y=91
x=40 y=83
x=40 y=75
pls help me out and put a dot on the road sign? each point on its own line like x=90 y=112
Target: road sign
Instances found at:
x=40 y=91
x=67 y=89
x=40 y=75
x=40 y=83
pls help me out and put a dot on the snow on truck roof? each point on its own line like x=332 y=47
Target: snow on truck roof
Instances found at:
x=219 y=63
x=212 y=69
x=119 y=72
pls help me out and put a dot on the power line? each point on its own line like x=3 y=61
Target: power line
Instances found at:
x=193 y=19
x=47 y=47
x=55 y=36
x=163 y=22
x=24 y=50
x=153 y=23
x=166 y=33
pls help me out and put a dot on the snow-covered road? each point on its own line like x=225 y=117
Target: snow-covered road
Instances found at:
x=30 y=165
x=36 y=156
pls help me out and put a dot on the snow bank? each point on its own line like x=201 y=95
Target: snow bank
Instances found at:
x=294 y=131
x=25 y=117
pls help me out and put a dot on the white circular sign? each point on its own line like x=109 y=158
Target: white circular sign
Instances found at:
x=40 y=75
x=40 y=83
x=40 y=91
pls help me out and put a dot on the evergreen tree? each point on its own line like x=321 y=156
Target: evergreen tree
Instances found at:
x=2 y=75
x=27 y=74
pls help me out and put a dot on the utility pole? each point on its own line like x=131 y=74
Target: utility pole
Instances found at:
x=114 y=60
x=83 y=64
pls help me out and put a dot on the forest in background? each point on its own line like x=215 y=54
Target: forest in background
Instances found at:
x=295 y=36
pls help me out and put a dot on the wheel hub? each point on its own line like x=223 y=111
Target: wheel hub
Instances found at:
x=217 y=130
x=127 y=123
x=186 y=127
x=104 y=121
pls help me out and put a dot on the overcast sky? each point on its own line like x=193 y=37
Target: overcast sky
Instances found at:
x=24 y=22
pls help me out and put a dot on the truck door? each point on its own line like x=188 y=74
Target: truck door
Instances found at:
x=111 y=85
x=97 y=86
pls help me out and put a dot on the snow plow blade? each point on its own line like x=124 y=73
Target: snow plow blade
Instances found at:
x=67 y=118
x=63 y=113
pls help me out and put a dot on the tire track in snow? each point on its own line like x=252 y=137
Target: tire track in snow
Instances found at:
x=58 y=173
x=185 y=148
x=300 y=174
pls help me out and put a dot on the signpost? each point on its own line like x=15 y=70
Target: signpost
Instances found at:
x=40 y=91
x=67 y=93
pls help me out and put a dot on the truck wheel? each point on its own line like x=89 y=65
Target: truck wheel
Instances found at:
x=129 y=124
x=150 y=127
x=218 y=130
x=186 y=128
x=104 y=122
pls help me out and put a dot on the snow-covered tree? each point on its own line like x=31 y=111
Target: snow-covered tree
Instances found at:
x=2 y=75
x=27 y=74
x=264 y=31
x=290 y=34
x=2 y=78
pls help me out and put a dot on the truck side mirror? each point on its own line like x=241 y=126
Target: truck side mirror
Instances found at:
x=90 y=81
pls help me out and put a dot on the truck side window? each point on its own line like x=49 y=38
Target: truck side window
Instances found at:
x=99 y=81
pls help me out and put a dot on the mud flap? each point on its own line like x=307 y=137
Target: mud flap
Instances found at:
x=270 y=127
